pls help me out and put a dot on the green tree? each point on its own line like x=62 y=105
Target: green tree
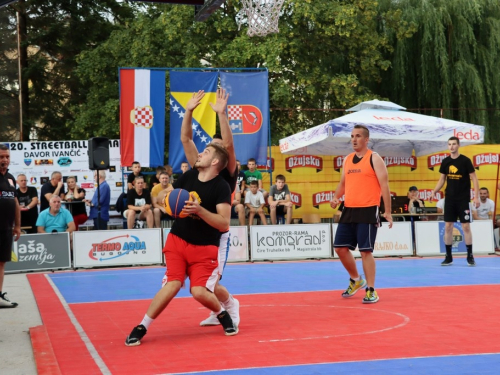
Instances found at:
x=450 y=62
x=326 y=55
x=57 y=31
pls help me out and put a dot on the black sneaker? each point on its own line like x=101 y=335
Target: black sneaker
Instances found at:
x=448 y=261
x=227 y=323
x=5 y=303
x=136 y=335
x=470 y=261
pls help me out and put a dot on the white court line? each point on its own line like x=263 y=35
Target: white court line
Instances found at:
x=406 y=320
x=90 y=347
x=341 y=362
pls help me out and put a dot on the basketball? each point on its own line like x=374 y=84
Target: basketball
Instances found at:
x=175 y=202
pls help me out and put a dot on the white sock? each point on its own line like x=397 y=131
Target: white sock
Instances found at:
x=357 y=278
x=146 y=321
x=228 y=302
x=221 y=310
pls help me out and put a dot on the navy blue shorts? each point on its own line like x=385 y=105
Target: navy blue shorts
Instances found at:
x=351 y=235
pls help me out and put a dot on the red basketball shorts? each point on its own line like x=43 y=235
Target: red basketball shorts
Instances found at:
x=198 y=262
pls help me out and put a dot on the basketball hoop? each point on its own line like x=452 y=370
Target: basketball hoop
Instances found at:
x=262 y=16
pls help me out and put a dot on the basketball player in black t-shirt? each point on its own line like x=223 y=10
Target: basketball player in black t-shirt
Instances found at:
x=230 y=174
x=192 y=244
x=457 y=170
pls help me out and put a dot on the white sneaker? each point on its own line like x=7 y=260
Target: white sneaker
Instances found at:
x=5 y=303
x=210 y=321
x=234 y=311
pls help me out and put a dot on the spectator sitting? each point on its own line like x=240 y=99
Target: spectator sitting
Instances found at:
x=237 y=209
x=155 y=179
x=136 y=172
x=279 y=200
x=486 y=208
x=139 y=204
x=76 y=194
x=414 y=201
x=170 y=173
x=496 y=234
x=254 y=201
x=253 y=175
x=55 y=218
x=28 y=203
x=184 y=166
x=241 y=176
x=157 y=196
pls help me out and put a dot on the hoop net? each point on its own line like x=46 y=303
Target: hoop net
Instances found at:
x=262 y=16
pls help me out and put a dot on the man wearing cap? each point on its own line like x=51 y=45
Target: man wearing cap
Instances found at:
x=414 y=200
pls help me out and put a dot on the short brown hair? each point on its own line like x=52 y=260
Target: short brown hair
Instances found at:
x=364 y=128
x=454 y=139
x=221 y=154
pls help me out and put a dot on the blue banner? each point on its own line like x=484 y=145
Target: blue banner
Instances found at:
x=248 y=114
x=182 y=87
x=458 y=238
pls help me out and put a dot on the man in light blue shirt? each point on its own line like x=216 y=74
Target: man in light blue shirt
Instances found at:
x=55 y=218
x=104 y=199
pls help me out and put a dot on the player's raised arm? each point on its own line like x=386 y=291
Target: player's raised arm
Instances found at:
x=220 y=107
x=186 y=129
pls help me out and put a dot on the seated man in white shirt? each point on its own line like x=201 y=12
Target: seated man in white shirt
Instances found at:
x=486 y=208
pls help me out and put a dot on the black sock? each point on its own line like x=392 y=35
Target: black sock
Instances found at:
x=469 y=250
x=448 y=251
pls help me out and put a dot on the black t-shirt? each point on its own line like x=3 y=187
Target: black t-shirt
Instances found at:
x=457 y=177
x=48 y=188
x=131 y=177
x=78 y=208
x=231 y=180
x=28 y=218
x=7 y=201
x=153 y=181
x=241 y=178
x=134 y=199
x=192 y=229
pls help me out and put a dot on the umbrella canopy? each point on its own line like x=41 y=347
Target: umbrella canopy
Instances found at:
x=392 y=133
x=375 y=104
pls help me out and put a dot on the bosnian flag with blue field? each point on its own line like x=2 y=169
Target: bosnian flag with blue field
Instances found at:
x=142 y=117
x=182 y=87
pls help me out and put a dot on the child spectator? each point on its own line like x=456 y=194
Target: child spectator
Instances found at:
x=136 y=172
x=254 y=201
x=253 y=175
x=279 y=200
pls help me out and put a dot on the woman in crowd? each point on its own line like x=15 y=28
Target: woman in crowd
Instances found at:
x=75 y=194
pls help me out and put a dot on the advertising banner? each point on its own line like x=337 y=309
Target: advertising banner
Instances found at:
x=37 y=160
x=429 y=238
x=238 y=244
x=272 y=242
x=312 y=179
x=395 y=241
x=118 y=247
x=37 y=252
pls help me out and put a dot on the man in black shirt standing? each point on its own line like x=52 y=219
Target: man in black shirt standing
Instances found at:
x=457 y=170
x=28 y=204
x=10 y=219
x=54 y=187
x=193 y=243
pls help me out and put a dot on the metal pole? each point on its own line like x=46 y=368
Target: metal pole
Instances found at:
x=18 y=13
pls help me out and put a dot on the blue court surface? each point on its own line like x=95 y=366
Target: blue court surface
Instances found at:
x=252 y=280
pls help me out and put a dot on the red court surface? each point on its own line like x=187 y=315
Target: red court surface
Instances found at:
x=276 y=330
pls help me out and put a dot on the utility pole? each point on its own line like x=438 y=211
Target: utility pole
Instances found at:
x=22 y=58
